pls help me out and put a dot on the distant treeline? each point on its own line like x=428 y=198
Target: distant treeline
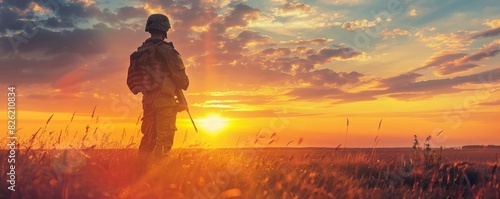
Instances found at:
x=481 y=147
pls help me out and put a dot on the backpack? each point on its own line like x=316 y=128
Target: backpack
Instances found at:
x=141 y=77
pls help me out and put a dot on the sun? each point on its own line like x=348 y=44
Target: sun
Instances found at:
x=213 y=123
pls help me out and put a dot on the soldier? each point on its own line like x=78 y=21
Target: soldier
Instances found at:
x=157 y=71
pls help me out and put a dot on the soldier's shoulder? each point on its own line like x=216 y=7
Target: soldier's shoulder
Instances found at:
x=168 y=47
x=140 y=50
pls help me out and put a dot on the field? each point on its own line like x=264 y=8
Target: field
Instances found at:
x=256 y=173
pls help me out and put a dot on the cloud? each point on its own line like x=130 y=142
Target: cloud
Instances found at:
x=342 y=2
x=276 y=52
x=292 y=23
x=295 y=7
x=492 y=23
x=446 y=42
x=327 y=54
x=223 y=49
x=413 y=12
x=317 y=41
x=360 y=24
x=304 y=60
x=393 y=33
x=273 y=66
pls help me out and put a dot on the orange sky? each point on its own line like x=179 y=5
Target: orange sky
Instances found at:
x=295 y=68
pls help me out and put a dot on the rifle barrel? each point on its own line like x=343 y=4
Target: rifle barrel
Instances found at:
x=192 y=121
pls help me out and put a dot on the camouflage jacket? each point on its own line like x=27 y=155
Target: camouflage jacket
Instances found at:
x=167 y=62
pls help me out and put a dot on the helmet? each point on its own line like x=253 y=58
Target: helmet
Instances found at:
x=158 y=22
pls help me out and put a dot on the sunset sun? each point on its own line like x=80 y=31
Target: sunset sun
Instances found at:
x=213 y=123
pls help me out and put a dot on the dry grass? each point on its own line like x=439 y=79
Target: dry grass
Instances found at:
x=86 y=172
x=247 y=173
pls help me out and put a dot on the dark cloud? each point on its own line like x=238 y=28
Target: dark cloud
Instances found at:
x=127 y=12
x=17 y=70
x=441 y=86
x=310 y=93
x=452 y=68
x=491 y=103
x=54 y=22
x=47 y=42
x=441 y=59
x=19 y=4
x=459 y=62
x=276 y=51
x=411 y=90
x=194 y=14
x=9 y=19
x=329 y=77
x=487 y=33
x=168 y=3
x=241 y=15
x=402 y=79
x=409 y=96
x=74 y=11
x=217 y=55
x=67 y=59
x=25 y=19
x=335 y=95
x=236 y=45
x=485 y=53
x=465 y=63
x=60 y=14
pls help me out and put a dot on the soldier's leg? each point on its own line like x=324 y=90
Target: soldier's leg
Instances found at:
x=148 y=139
x=165 y=130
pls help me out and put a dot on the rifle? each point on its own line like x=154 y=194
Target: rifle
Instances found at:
x=183 y=103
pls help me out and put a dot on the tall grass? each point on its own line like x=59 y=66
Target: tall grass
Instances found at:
x=83 y=171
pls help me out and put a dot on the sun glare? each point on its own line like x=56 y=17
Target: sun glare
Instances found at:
x=213 y=123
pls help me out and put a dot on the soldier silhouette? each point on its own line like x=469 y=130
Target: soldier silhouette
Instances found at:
x=156 y=70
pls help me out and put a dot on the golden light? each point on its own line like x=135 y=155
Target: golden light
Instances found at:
x=213 y=123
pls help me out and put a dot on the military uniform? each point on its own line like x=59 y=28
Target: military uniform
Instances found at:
x=167 y=74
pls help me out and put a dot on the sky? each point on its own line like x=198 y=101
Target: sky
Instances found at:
x=309 y=73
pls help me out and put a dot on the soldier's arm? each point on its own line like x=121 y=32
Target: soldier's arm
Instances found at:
x=177 y=69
